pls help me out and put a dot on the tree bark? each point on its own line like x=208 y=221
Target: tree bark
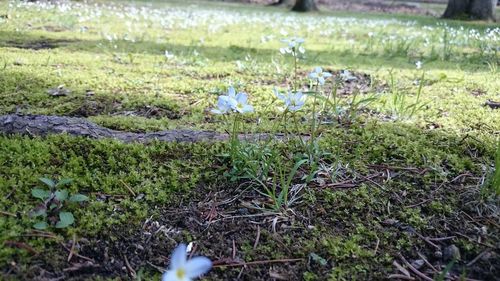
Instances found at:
x=304 y=6
x=42 y=125
x=472 y=9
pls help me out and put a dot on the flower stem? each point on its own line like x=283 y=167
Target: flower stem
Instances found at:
x=295 y=71
x=297 y=131
x=234 y=137
x=313 y=127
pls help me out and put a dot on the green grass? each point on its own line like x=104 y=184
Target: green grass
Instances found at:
x=427 y=167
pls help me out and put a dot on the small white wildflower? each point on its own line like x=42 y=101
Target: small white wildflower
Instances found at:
x=182 y=269
x=319 y=75
x=293 y=101
x=169 y=55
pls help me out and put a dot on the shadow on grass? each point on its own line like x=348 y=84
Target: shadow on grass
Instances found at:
x=229 y=53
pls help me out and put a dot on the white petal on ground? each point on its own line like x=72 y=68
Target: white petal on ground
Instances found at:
x=197 y=266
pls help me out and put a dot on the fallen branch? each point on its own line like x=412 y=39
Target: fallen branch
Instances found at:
x=414 y=270
x=43 y=125
x=131 y=271
x=478 y=257
x=80 y=266
x=8 y=214
x=20 y=245
x=400 y=276
x=39 y=233
x=352 y=182
x=256 y=262
x=72 y=249
x=128 y=188
x=78 y=255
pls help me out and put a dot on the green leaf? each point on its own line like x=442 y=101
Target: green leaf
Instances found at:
x=48 y=182
x=41 y=225
x=294 y=170
x=40 y=193
x=318 y=259
x=65 y=219
x=38 y=212
x=61 y=195
x=64 y=182
x=60 y=224
x=445 y=271
x=78 y=198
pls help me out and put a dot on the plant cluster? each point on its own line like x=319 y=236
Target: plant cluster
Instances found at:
x=54 y=202
x=262 y=163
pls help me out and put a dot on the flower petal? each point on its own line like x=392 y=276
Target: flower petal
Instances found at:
x=222 y=101
x=231 y=92
x=327 y=74
x=241 y=98
x=216 y=111
x=178 y=258
x=277 y=94
x=321 y=80
x=280 y=97
x=318 y=69
x=247 y=108
x=197 y=266
x=298 y=97
x=169 y=275
x=231 y=103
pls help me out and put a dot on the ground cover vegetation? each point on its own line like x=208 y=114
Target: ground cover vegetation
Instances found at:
x=377 y=153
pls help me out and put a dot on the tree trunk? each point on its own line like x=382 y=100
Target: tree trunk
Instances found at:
x=304 y=6
x=472 y=9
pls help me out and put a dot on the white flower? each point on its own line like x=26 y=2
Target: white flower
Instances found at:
x=169 y=55
x=294 y=44
x=242 y=105
x=182 y=269
x=293 y=101
x=319 y=75
x=225 y=103
x=418 y=64
x=232 y=101
x=266 y=38
x=347 y=76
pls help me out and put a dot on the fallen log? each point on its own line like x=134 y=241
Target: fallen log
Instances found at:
x=43 y=125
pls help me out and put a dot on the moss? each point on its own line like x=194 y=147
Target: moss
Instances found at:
x=101 y=170
x=440 y=208
x=419 y=166
x=309 y=276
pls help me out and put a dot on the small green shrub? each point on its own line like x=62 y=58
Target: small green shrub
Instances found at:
x=53 y=202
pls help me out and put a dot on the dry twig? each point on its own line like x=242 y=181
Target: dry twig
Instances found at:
x=414 y=270
x=256 y=262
